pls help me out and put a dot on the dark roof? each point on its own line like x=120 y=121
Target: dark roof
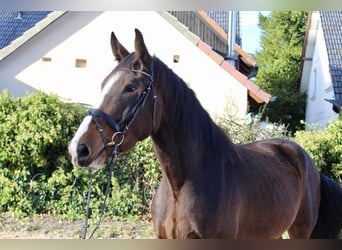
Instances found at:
x=13 y=24
x=337 y=105
x=212 y=32
x=222 y=19
x=332 y=30
x=199 y=26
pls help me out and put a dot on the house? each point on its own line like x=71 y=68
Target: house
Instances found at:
x=321 y=68
x=212 y=28
x=68 y=53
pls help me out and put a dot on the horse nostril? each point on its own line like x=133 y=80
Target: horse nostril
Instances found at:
x=82 y=151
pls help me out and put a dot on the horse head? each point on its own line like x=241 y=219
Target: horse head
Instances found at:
x=126 y=110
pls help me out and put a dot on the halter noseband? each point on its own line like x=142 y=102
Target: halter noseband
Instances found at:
x=96 y=113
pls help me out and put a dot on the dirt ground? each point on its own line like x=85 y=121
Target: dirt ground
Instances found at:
x=48 y=227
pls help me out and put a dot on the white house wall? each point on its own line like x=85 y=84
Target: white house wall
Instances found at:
x=24 y=70
x=309 y=51
x=85 y=35
x=318 y=111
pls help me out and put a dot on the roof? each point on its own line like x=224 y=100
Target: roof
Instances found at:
x=14 y=24
x=332 y=29
x=22 y=31
x=337 y=105
x=213 y=31
x=204 y=27
x=253 y=90
x=221 y=18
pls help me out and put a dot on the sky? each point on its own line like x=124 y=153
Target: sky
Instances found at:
x=250 y=31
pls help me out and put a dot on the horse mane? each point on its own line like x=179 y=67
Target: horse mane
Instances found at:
x=187 y=114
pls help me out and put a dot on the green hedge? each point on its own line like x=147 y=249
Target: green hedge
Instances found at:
x=325 y=148
x=34 y=131
x=36 y=175
x=35 y=171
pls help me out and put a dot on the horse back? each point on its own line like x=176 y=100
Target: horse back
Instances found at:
x=277 y=156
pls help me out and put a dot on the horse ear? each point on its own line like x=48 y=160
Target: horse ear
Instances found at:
x=119 y=51
x=141 y=51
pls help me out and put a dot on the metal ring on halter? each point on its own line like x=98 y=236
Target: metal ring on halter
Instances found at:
x=113 y=143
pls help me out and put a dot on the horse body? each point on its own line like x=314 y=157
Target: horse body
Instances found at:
x=210 y=187
x=283 y=172
x=234 y=205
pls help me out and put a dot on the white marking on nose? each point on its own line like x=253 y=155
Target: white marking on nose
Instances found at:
x=87 y=120
x=79 y=133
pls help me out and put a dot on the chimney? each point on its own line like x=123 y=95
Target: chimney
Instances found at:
x=232 y=24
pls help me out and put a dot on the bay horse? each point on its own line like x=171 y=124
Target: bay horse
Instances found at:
x=210 y=187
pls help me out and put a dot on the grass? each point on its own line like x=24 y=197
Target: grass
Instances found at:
x=49 y=227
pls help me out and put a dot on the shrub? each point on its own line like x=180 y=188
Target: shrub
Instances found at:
x=325 y=148
x=137 y=175
x=34 y=132
x=36 y=175
x=242 y=132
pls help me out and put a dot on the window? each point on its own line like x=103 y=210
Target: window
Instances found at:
x=81 y=63
x=176 y=58
x=46 y=59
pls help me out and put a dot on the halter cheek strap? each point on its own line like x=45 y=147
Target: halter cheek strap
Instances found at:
x=96 y=113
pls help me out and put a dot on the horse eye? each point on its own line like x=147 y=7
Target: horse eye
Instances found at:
x=131 y=87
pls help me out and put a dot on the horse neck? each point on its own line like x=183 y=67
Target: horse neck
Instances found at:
x=187 y=137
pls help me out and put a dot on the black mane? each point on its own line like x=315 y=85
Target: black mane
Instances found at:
x=186 y=113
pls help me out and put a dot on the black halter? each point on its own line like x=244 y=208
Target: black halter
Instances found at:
x=119 y=133
x=121 y=129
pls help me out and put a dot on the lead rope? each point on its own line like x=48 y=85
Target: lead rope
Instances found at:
x=103 y=206
x=86 y=225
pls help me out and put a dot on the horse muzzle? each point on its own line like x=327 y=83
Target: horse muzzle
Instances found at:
x=81 y=156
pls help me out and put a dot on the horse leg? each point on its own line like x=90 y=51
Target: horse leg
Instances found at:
x=162 y=209
x=303 y=225
x=307 y=215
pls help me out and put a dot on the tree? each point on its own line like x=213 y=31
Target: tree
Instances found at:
x=279 y=65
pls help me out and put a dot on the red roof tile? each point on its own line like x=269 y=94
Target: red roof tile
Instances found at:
x=216 y=57
x=204 y=47
x=254 y=91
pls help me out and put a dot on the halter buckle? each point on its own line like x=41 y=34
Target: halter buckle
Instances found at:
x=121 y=139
